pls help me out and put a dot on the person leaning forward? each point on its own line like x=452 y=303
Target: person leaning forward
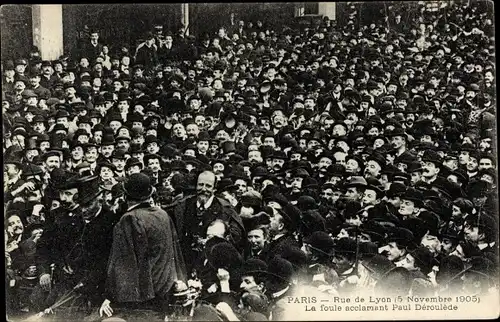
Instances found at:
x=194 y=213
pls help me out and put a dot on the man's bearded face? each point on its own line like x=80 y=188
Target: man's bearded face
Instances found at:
x=205 y=187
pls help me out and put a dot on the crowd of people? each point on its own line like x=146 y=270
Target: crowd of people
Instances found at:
x=213 y=177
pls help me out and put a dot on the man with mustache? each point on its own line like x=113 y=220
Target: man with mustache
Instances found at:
x=79 y=240
x=325 y=160
x=8 y=76
x=194 y=213
x=431 y=168
x=399 y=142
x=21 y=249
x=279 y=159
x=295 y=188
x=64 y=215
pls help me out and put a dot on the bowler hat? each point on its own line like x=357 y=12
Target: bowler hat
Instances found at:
x=224 y=255
x=306 y=202
x=280 y=270
x=203 y=136
x=413 y=194
x=118 y=154
x=301 y=173
x=251 y=199
x=431 y=156
x=279 y=155
x=253 y=266
x=398 y=131
x=62 y=180
x=424 y=259
x=138 y=187
x=377 y=157
x=346 y=246
x=320 y=241
x=228 y=147
x=400 y=235
x=132 y=162
x=336 y=170
x=226 y=184
x=356 y=181
x=310 y=183
x=13 y=158
x=108 y=139
x=378 y=265
x=396 y=189
x=397 y=281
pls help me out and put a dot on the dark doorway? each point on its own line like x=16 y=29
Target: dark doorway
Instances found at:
x=16 y=30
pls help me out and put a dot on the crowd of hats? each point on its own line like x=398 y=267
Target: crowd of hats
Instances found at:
x=319 y=106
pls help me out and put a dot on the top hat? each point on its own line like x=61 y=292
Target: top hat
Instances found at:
x=88 y=189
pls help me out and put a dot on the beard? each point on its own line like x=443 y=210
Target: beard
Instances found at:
x=203 y=197
x=325 y=201
x=67 y=205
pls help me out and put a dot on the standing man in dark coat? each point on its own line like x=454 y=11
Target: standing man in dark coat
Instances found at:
x=78 y=243
x=168 y=50
x=145 y=259
x=146 y=53
x=193 y=214
x=281 y=227
x=8 y=76
x=91 y=49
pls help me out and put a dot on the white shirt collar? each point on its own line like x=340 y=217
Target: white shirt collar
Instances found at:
x=348 y=271
x=278 y=236
x=207 y=204
x=97 y=214
x=484 y=245
x=279 y=293
x=132 y=207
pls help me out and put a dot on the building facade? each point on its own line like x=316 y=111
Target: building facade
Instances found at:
x=55 y=29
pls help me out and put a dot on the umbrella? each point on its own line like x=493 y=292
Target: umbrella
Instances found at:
x=66 y=297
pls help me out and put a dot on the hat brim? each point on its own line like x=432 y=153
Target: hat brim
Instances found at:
x=377 y=274
x=232 y=187
x=466 y=270
x=18 y=163
x=355 y=185
x=329 y=253
x=92 y=196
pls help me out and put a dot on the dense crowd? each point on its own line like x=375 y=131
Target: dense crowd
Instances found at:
x=215 y=177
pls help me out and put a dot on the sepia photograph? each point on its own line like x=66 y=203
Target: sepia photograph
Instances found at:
x=250 y=161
